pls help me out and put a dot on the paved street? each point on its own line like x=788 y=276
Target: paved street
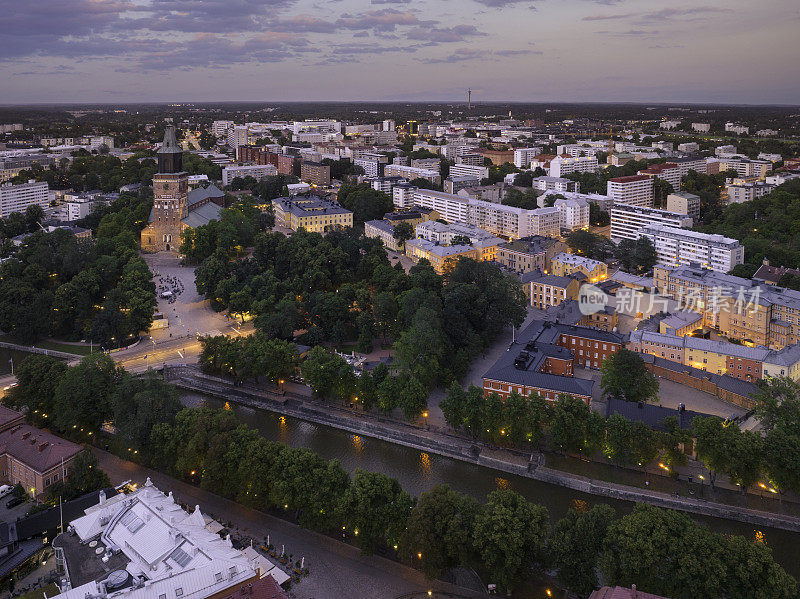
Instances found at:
x=337 y=570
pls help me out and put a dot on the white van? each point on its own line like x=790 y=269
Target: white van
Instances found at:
x=5 y=490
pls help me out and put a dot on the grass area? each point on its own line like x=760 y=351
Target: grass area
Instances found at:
x=50 y=590
x=80 y=350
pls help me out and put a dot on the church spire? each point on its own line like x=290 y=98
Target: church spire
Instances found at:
x=170 y=155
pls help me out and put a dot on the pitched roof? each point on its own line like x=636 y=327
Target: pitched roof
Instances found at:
x=204 y=193
x=37 y=449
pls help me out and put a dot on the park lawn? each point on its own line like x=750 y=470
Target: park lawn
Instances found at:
x=79 y=350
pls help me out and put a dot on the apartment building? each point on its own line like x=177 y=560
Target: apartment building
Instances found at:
x=564 y=265
x=573 y=213
x=736 y=128
x=743 y=309
x=529 y=253
x=469 y=170
x=315 y=173
x=582 y=148
x=287 y=164
x=403 y=195
x=523 y=156
x=441 y=257
x=545 y=291
x=443 y=234
x=258 y=171
x=745 y=167
x=237 y=135
x=683 y=202
x=220 y=128
x=11 y=166
x=411 y=173
x=627 y=222
x=471 y=159
x=747 y=192
x=385 y=184
x=372 y=168
x=676 y=247
x=456 y=184
x=16 y=198
x=430 y=164
x=312 y=213
x=689 y=147
x=557 y=184
x=690 y=163
x=452 y=208
x=701 y=127
x=635 y=190
x=564 y=165
x=316 y=126
x=667 y=171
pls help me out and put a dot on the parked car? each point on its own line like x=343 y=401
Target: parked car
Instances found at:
x=5 y=490
x=14 y=502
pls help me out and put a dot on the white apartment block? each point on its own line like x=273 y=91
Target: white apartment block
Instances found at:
x=677 y=247
x=602 y=202
x=388 y=125
x=627 y=221
x=557 y=184
x=689 y=147
x=738 y=129
x=411 y=173
x=220 y=128
x=16 y=198
x=238 y=136
x=582 y=148
x=471 y=159
x=745 y=167
x=443 y=234
x=701 y=127
x=746 y=192
x=773 y=158
x=312 y=126
x=725 y=150
x=669 y=124
x=667 y=146
x=766 y=132
x=523 y=156
x=636 y=190
x=452 y=208
x=573 y=214
x=386 y=184
x=371 y=167
x=667 y=171
x=564 y=165
x=690 y=163
x=403 y=195
x=257 y=171
x=468 y=170
x=79 y=207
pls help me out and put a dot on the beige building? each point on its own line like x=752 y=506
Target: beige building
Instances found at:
x=383 y=230
x=564 y=264
x=441 y=257
x=545 y=291
x=529 y=253
x=312 y=213
x=683 y=202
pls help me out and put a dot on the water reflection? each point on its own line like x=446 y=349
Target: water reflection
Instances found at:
x=424 y=463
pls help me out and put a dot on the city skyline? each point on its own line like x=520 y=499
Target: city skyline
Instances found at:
x=504 y=50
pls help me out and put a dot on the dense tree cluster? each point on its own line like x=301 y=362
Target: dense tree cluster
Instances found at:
x=364 y=202
x=234 y=231
x=633 y=256
x=766 y=226
x=58 y=285
x=254 y=356
x=341 y=287
x=624 y=375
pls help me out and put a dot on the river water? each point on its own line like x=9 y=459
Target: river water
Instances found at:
x=418 y=471
x=6 y=355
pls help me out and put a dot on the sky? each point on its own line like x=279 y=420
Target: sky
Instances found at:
x=116 y=51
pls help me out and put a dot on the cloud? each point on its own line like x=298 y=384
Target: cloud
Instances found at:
x=460 y=55
x=516 y=52
x=444 y=34
x=608 y=17
x=385 y=19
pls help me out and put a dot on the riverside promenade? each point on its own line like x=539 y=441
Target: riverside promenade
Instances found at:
x=445 y=443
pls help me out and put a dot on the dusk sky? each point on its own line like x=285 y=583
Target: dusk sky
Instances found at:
x=734 y=51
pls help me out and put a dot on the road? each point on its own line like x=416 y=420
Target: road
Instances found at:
x=337 y=569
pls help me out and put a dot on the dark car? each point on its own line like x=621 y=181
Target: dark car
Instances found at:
x=14 y=502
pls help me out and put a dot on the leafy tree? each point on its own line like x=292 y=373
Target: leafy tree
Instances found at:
x=624 y=375
x=403 y=231
x=576 y=543
x=375 y=508
x=82 y=398
x=84 y=477
x=753 y=574
x=629 y=443
x=440 y=528
x=723 y=447
x=38 y=378
x=328 y=375
x=574 y=426
x=510 y=533
x=671 y=440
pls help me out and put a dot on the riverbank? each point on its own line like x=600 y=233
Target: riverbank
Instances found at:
x=458 y=448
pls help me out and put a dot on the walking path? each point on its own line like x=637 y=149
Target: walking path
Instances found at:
x=336 y=569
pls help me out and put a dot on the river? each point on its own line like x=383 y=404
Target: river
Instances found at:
x=418 y=471
x=6 y=355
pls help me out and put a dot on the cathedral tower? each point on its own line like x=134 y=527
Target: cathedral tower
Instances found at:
x=170 y=191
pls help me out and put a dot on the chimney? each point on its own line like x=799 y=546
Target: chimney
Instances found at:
x=43 y=445
x=102 y=497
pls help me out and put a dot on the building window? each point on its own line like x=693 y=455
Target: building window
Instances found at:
x=179 y=592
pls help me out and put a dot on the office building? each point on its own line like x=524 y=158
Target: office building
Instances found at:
x=144 y=545
x=259 y=172
x=530 y=253
x=220 y=128
x=411 y=173
x=564 y=165
x=635 y=190
x=468 y=170
x=667 y=171
x=17 y=198
x=455 y=184
x=441 y=257
x=743 y=309
x=558 y=184
x=676 y=247
x=683 y=202
x=312 y=126
x=312 y=213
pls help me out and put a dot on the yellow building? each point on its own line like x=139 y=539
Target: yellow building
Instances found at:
x=441 y=257
x=545 y=291
x=312 y=213
x=563 y=265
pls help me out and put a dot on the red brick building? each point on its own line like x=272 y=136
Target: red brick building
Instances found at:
x=257 y=155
